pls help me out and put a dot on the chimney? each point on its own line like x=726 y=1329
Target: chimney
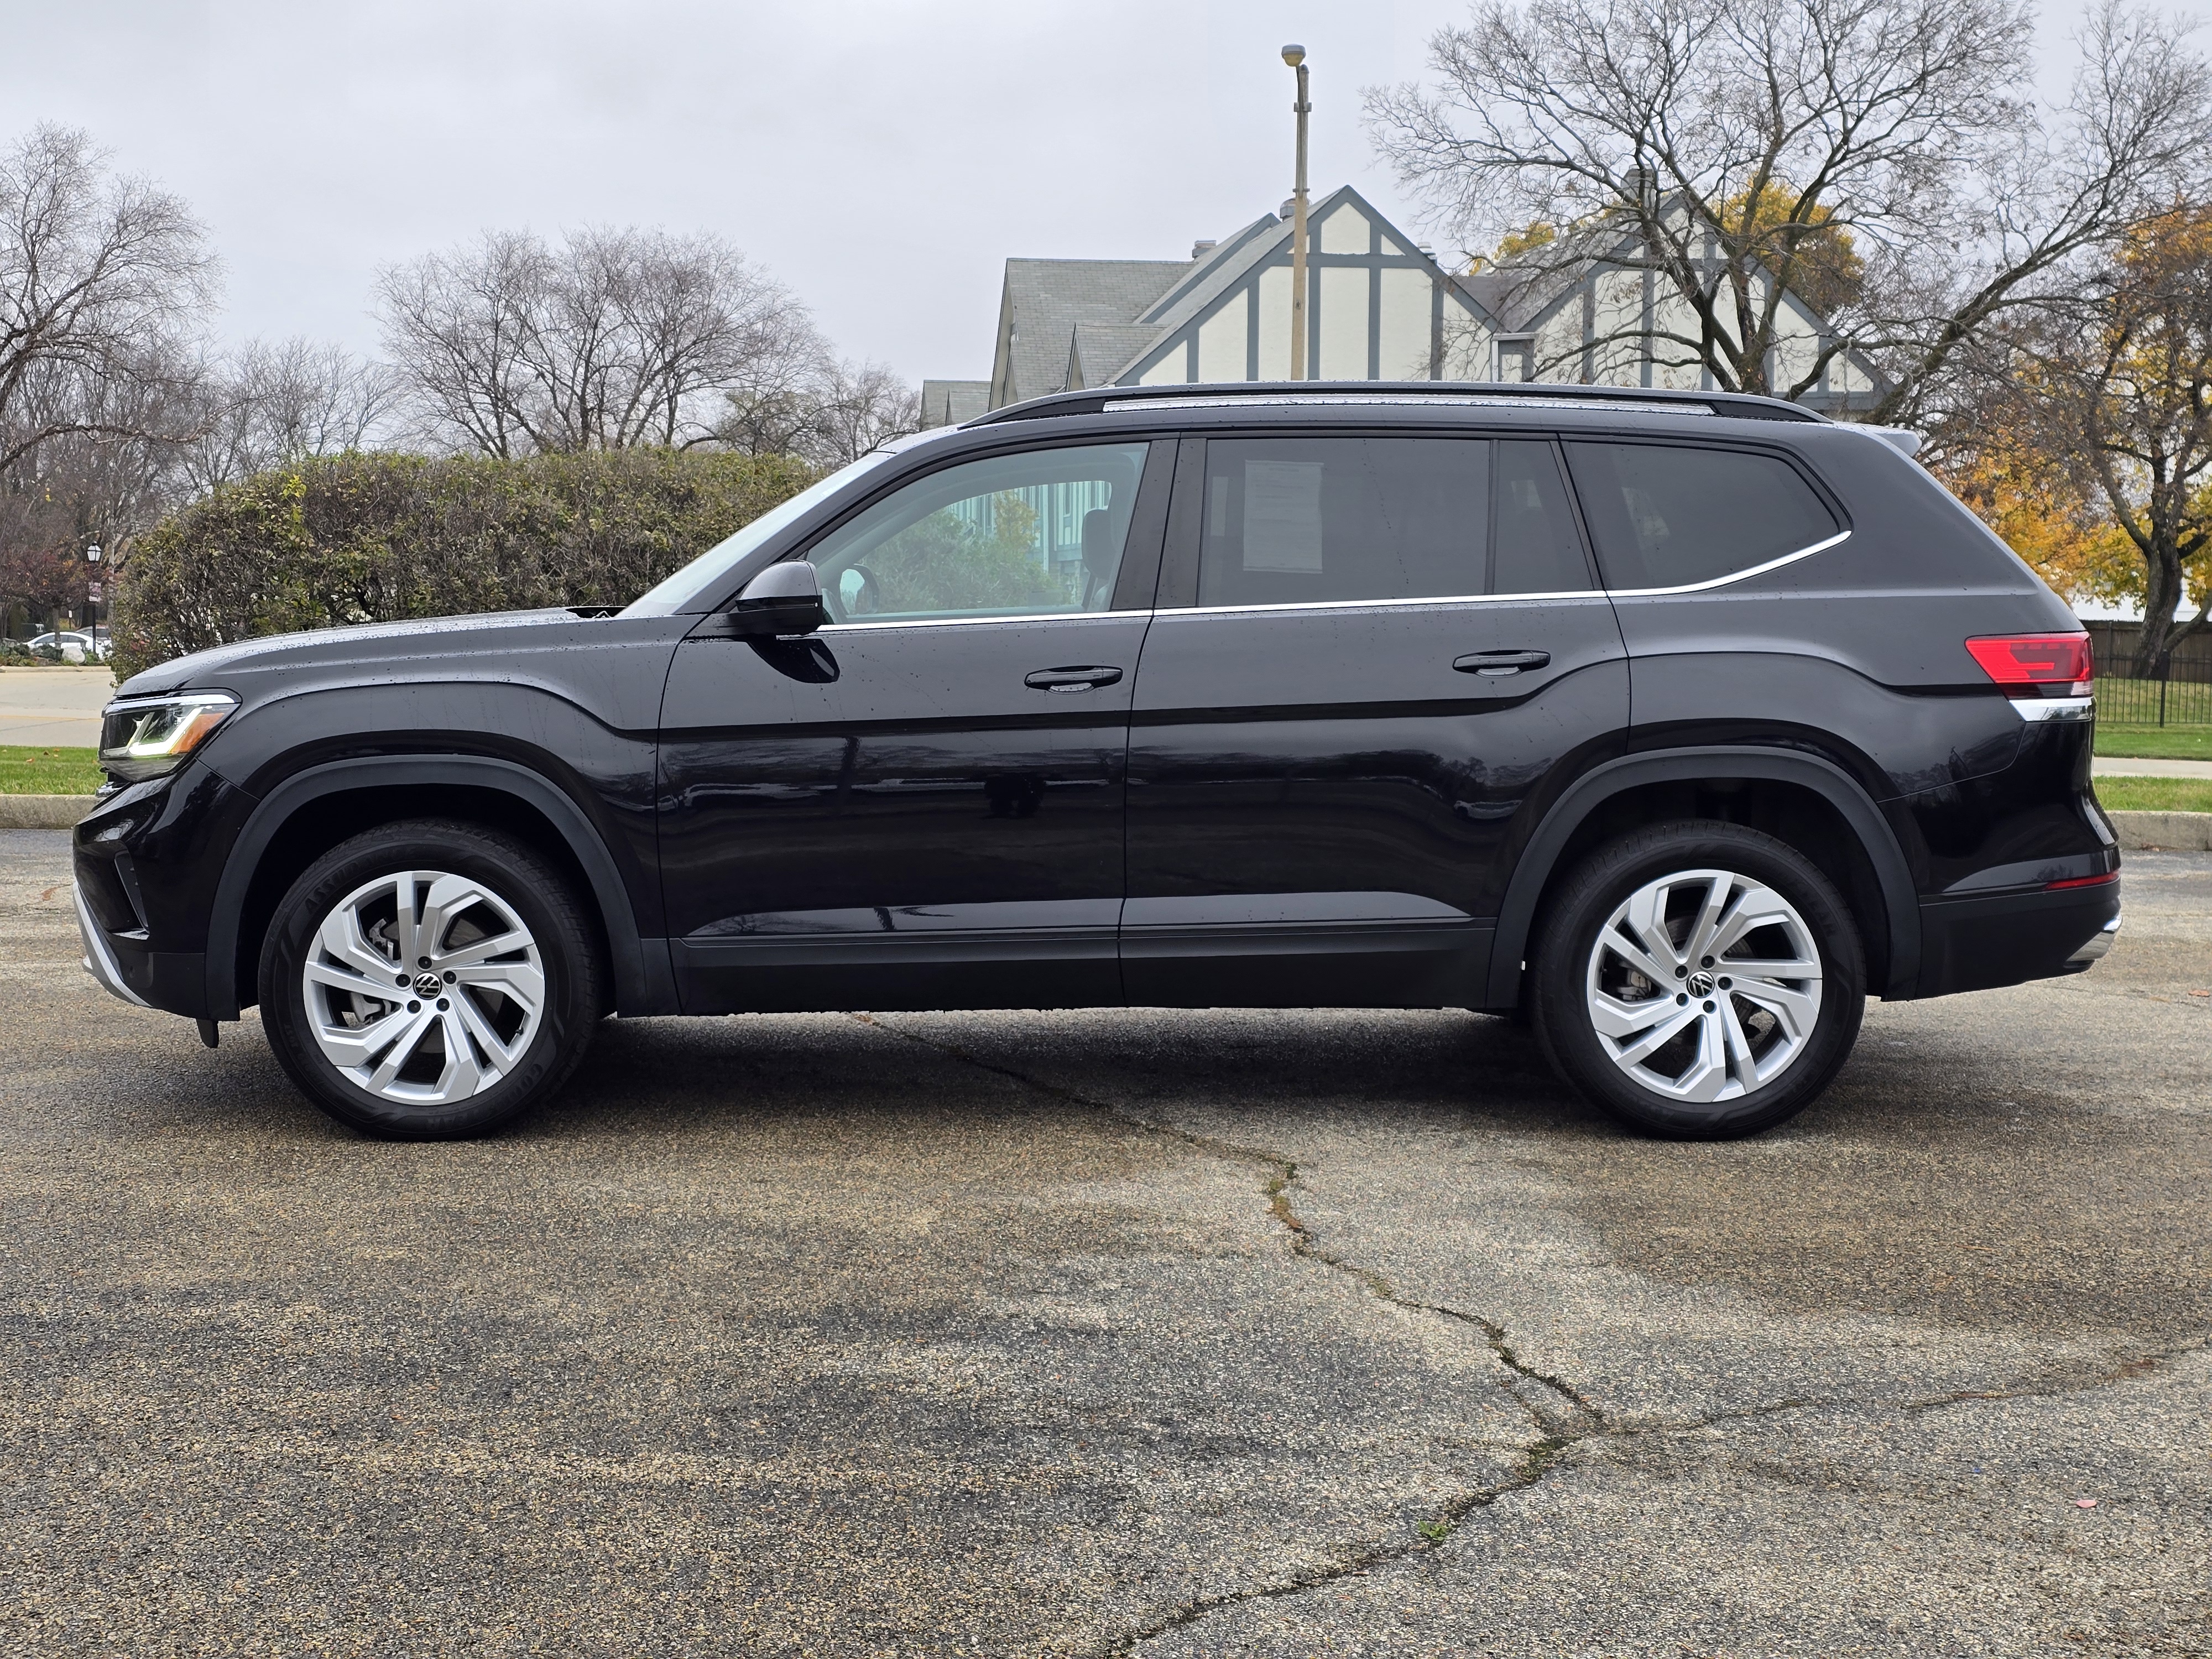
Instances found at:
x=1200 y=249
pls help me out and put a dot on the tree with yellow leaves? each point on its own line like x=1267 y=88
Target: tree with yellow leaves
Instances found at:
x=2118 y=388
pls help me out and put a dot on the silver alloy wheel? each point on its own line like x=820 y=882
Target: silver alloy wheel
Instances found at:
x=1703 y=986
x=423 y=987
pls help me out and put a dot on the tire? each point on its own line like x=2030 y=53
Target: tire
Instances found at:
x=474 y=1038
x=1641 y=1032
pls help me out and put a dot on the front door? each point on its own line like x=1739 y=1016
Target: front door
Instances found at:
x=920 y=806
x=1372 y=656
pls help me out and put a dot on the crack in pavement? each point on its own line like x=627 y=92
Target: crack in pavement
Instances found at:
x=1565 y=1417
x=1560 y=1431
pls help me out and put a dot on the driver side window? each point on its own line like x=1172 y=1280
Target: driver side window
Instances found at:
x=1036 y=533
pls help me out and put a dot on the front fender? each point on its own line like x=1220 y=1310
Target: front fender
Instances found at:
x=643 y=982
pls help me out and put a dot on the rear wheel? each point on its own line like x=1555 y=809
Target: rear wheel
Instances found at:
x=1700 y=979
x=428 y=979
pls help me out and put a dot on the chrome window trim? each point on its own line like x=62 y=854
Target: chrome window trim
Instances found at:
x=1378 y=604
x=1449 y=400
x=976 y=621
x=1836 y=540
x=1512 y=598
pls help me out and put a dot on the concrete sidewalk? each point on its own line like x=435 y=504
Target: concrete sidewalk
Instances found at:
x=2106 y=766
x=39 y=707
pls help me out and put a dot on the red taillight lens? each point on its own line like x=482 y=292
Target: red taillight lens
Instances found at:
x=2036 y=665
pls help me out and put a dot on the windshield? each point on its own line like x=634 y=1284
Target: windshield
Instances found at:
x=684 y=587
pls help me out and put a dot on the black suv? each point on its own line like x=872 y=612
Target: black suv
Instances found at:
x=1676 y=724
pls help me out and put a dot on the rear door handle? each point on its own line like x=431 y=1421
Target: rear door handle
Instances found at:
x=1493 y=664
x=1071 y=679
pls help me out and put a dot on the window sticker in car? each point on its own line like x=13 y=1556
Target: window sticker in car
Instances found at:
x=1282 y=515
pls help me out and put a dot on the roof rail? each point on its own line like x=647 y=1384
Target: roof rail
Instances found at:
x=1098 y=399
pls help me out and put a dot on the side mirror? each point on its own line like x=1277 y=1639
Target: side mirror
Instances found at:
x=784 y=599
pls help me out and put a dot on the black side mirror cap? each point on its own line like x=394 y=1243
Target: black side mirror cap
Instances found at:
x=784 y=599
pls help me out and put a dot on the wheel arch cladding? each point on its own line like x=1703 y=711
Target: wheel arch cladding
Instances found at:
x=316 y=809
x=1798 y=798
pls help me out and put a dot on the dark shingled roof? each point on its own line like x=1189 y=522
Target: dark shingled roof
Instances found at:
x=1049 y=297
x=1100 y=348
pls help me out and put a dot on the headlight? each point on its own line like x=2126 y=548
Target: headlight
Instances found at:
x=148 y=736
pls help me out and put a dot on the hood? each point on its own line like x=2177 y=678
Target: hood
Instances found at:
x=323 y=647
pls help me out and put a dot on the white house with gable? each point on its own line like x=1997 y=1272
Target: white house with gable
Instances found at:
x=1379 y=308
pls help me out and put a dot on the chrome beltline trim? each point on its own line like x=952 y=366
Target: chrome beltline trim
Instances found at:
x=1379 y=605
x=1836 y=540
x=981 y=621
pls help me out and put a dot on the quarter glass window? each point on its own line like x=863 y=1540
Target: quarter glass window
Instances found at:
x=1666 y=515
x=1015 y=535
x=1306 y=520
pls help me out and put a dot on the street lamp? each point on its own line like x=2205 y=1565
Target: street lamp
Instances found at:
x=92 y=597
x=1295 y=55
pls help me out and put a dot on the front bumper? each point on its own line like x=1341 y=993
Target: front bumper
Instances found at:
x=99 y=955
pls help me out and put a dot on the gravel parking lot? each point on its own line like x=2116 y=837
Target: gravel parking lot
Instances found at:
x=1165 y=1333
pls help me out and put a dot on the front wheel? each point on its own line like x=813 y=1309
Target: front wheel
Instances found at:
x=1700 y=979
x=428 y=979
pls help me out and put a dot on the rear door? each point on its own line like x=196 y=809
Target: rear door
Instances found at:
x=1374 y=655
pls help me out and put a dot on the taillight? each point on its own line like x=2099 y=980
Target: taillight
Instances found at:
x=2036 y=665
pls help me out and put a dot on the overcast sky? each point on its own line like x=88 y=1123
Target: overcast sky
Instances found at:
x=883 y=157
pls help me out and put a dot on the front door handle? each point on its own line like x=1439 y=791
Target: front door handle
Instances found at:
x=1491 y=664
x=1071 y=679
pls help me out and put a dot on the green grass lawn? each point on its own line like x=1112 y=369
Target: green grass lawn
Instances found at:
x=2154 y=742
x=26 y=771
x=2155 y=794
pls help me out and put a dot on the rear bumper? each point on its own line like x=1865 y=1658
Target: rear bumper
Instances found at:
x=1979 y=943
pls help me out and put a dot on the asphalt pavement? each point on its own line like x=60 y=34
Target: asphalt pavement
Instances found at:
x=1280 y=1333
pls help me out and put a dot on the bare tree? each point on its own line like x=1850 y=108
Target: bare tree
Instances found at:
x=822 y=411
x=103 y=280
x=1737 y=150
x=277 y=403
x=612 y=339
x=858 y=406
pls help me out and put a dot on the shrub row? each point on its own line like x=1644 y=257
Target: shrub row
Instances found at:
x=379 y=537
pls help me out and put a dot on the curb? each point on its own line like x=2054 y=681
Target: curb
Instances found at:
x=2163 y=832
x=53 y=811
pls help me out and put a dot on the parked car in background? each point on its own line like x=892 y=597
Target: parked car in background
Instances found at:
x=1676 y=724
x=73 y=645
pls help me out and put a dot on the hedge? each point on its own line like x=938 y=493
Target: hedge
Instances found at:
x=380 y=537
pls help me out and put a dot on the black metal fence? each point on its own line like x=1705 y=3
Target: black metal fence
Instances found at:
x=2181 y=695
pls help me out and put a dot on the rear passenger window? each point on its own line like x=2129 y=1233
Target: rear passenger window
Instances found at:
x=1301 y=520
x=1666 y=515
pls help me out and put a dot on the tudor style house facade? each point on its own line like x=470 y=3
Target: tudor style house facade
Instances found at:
x=1379 y=308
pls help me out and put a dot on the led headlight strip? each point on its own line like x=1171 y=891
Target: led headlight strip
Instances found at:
x=147 y=737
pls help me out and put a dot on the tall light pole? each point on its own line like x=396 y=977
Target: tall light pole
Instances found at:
x=1295 y=55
